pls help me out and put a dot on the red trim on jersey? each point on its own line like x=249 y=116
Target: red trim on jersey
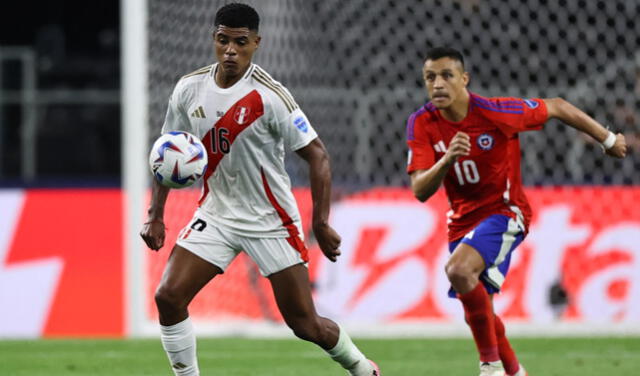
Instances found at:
x=251 y=107
x=186 y=235
x=287 y=222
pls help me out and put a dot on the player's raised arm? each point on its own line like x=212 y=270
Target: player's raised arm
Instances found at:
x=614 y=144
x=425 y=183
x=153 y=231
x=320 y=178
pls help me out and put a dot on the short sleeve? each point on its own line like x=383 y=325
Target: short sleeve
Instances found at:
x=421 y=155
x=176 y=118
x=290 y=121
x=513 y=115
x=296 y=130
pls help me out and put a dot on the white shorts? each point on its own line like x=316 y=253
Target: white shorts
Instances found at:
x=220 y=247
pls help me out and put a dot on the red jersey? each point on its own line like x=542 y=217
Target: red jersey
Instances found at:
x=487 y=181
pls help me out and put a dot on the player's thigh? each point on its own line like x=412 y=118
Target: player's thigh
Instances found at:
x=202 y=251
x=273 y=255
x=210 y=242
x=468 y=258
x=494 y=240
x=282 y=261
x=185 y=274
x=292 y=291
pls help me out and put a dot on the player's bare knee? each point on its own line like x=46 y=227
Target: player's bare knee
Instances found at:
x=458 y=275
x=167 y=298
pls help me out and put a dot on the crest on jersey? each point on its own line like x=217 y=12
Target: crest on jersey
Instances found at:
x=301 y=124
x=531 y=103
x=485 y=141
x=241 y=115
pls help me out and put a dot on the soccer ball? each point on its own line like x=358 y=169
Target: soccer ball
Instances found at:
x=178 y=159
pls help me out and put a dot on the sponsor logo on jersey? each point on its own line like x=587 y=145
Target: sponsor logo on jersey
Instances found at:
x=485 y=141
x=301 y=124
x=531 y=103
x=241 y=115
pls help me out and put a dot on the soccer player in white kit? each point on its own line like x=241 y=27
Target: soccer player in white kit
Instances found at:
x=246 y=120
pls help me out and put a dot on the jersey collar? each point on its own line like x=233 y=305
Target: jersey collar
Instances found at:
x=241 y=82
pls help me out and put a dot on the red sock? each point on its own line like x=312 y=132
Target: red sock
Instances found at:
x=508 y=357
x=479 y=314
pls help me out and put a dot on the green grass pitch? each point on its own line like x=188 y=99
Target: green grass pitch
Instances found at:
x=401 y=357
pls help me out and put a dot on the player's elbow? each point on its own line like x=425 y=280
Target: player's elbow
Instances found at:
x=420 y=194
x=422 y=198
x=420 y=187
x=560 y=102
x=315 y=153
x=557 y=107
x=320 y=160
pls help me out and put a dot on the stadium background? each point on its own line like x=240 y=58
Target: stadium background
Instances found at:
x=354 y=67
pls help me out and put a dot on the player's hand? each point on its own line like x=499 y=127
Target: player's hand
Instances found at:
x=153 y=234
x=328 y=240
x=619 y=148
x=459 y=146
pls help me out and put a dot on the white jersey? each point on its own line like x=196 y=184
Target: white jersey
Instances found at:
x=245 y=129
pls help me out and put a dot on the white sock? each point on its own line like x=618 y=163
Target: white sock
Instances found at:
x=349 y=357
x=179 y=342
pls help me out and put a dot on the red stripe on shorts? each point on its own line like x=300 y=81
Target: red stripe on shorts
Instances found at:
x=287 y=222
x=186 y=234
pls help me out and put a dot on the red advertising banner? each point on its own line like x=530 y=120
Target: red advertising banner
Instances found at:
x=61 y=262
x=584 y=241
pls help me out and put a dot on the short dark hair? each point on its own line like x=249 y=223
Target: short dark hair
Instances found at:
x=237 y=15
x=440 y=52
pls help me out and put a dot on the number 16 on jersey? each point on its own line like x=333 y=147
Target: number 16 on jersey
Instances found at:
x=219 y=141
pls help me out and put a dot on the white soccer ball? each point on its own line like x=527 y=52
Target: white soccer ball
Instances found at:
x=178 y=159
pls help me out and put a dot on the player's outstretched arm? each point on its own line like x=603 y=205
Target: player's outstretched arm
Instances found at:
x=320 y=178
x=425 y=183
x=613 y=144
x=153 y=231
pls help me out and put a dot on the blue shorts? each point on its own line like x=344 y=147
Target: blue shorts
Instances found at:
x=494 y=238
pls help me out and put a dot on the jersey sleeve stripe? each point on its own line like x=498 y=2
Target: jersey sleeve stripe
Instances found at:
x=267 y=81
x=498 y=109
x=501 y=103
x=513 y=104
x=430 y=107
x=249 y=72
x=276 y=87
x=196 y=72
x=411 y=124
x=282 y=96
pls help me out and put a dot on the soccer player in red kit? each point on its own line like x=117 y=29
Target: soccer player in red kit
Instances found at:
x=470 y=143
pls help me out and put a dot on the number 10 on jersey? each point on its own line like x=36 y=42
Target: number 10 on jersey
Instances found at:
x=466 y=172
